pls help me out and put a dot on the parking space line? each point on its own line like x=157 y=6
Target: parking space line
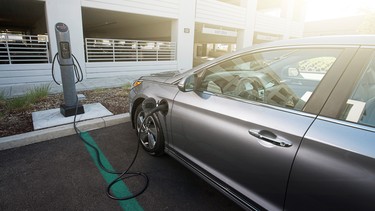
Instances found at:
x=119 y=189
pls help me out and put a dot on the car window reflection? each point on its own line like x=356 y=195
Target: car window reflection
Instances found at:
x=284 y=78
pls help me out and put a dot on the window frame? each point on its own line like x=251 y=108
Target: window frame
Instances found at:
x=321 y=92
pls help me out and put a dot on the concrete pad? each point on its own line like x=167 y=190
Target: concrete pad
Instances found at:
x=53 y=117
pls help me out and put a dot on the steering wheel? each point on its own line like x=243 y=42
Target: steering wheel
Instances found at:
x=248 y=88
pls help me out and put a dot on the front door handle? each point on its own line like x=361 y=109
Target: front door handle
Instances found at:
x=270 y=138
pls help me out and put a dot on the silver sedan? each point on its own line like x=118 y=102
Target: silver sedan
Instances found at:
x=287 y=125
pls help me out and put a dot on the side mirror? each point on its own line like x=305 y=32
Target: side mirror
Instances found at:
x=188 y=83
x=293 y=72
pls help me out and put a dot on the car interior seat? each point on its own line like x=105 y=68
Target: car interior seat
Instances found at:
x=368 y=117
x=366 y=88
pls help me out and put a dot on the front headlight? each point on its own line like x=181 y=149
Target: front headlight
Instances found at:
x=137 y=83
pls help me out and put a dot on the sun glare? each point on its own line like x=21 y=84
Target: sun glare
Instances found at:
x=330 y=9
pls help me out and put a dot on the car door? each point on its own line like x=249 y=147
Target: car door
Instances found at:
x=243 y=124
x=335 y=166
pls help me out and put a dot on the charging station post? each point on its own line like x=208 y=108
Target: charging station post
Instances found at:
x=71 y=103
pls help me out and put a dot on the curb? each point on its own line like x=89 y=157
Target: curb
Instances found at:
x=24 y=139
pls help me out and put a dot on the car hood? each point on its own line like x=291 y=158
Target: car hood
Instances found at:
x=160 y=77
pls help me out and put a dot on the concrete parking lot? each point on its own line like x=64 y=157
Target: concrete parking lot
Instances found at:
x=60 y=174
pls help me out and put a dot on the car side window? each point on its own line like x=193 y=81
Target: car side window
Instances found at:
x=284 y=78
x=360 y=107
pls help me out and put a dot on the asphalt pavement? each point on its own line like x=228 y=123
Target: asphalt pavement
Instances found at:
x=61 y=174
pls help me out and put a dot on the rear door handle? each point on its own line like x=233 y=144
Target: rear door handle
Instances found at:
x=270 y=137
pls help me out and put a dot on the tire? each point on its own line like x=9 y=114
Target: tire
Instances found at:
x=151 y=136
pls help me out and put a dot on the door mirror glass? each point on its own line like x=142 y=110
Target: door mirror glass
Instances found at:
x=293 y=72
x=187 y=84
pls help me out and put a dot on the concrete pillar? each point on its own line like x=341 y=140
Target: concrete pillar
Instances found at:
x=204 y=49
x=245 y=36
x=183 y=34
x=300 y=6
x=287 y=9
x=68 y=12
x=287 y=12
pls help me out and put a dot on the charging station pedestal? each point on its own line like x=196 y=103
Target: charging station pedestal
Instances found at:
x=69 y=107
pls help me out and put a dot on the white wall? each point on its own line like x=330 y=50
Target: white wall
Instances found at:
x=220 y=13
x=25 y=73
x=129 y=69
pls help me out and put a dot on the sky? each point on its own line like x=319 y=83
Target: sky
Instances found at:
x=330 y=9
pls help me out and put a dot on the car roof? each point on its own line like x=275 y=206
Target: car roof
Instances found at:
x=322 y=40
x=347 y=40
x=343 y=40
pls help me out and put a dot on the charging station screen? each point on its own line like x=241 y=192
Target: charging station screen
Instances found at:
x=65 y=50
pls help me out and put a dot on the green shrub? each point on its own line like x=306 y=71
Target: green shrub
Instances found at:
x=2 y=104
x=32 y=96
x=2 y=98
x=99 y=90
x=127 y=86
x=18 y=103
x=38 y=93
x=2 y=95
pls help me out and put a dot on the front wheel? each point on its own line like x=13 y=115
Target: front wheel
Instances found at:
x=149 y=132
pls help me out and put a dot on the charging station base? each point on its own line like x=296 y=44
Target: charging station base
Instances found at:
x=71 y=110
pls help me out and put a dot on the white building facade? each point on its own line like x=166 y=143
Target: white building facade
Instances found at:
x=128 y=38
